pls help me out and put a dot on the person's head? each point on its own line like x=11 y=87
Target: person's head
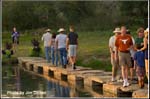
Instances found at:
x=146 y=33
x=140 y=32
x=71 y=29
x=138 y=46
x=123 y=30
x=54 y=35
x=48 y=30
x=8 y=45
x=61 y=30
x=117 y=31
x=14 y=29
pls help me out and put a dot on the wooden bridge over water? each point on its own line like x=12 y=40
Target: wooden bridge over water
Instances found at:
x=85 y=76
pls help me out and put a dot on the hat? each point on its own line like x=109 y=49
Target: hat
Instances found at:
x=117 y=30
x=147 y=30
x=48 y=30
x=61 y=30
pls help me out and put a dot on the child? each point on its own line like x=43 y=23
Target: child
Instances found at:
x=54 y=51
x=139 y=65
x=7 y=52
x=36 y=51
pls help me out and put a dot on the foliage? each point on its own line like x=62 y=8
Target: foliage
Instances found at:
x=85 y=15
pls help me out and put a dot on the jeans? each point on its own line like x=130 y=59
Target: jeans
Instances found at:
x=54 y=56
x=47 y=54
x=63 y=56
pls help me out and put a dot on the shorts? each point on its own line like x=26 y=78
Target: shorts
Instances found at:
x=72 y=50
x=140 y=71
x=125 y=59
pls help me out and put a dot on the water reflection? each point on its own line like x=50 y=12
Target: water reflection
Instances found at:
x=19 y=83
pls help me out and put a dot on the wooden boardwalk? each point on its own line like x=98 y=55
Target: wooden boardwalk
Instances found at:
x=86 y=76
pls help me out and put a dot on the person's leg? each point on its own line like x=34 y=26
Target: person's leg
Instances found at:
x=46 y=54
x=71 y=60
x=146 y=67
x=131 y=74
x=70 y=54
x=123 y=75
x=65 y=57
x=56 y=57
x=61 y=56
x=131 y=69
x=128 y=62
x=126 y=74
x=74 y=54
x=140 y=81
x=122 y=63
x=52 y=55
x=113 y=66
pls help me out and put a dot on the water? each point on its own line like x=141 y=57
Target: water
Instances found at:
x=20 y=83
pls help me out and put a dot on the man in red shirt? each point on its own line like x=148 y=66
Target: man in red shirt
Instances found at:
x=123 y=43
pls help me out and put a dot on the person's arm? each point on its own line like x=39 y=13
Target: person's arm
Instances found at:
x=116 y=49
x=67 y=43
x=145 y=45
x=110 y=48
x=50 y=42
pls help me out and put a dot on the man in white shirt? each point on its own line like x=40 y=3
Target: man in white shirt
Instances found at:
x=61 y=40
x=47 y=38
x=112 y=48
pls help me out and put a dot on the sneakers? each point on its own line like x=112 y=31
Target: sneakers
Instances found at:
x=126 y=84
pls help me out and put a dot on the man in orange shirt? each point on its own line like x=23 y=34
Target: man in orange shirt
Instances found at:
x=123 y=43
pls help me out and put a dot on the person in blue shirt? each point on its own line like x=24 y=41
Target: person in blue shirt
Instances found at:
x=139 y=65
x=15 y=36
x=15 y=39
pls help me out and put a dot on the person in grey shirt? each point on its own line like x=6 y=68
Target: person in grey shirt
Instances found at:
x=47 y=39
x=61 y=39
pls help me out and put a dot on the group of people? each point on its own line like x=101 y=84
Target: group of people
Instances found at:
x=10 y=48
x=129 y=54
x=61 y=46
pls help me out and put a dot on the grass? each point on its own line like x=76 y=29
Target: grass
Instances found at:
x=93 y=48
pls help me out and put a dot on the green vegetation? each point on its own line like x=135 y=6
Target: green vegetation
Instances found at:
x=85 y=15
